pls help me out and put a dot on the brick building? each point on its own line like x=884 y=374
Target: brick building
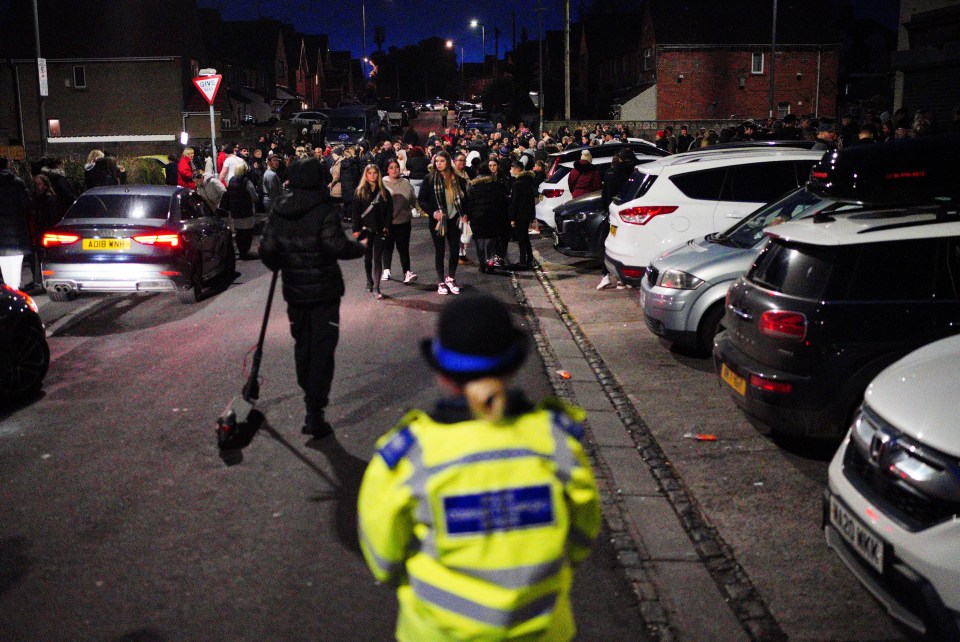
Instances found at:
x=701 y=59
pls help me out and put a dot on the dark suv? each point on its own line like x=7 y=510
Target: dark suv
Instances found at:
x=834 y=299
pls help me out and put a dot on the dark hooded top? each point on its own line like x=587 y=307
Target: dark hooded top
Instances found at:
x=303 y=238
x=489 y=216
x=523 y=200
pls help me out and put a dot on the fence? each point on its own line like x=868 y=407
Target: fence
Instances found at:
x=644 y=128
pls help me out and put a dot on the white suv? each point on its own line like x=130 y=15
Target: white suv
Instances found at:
x=689 y=195
x=892 y=511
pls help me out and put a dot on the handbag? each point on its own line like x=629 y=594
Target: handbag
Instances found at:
x=466 y=232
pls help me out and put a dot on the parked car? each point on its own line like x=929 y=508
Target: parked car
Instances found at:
x=137 y=238
x=555 y=190
x=689 y=195
x=483 y=126
x=306 y=119
x=892 y=508
x=581 y=226
x=352 y=124
x=835 y=298
x=683 y=290
x=24 y=353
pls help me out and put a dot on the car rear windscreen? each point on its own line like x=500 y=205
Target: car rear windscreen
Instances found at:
x=636 y=186
x=558 y=174
x=794 y=269
x=120 y=206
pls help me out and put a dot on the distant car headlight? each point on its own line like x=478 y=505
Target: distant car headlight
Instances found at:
x=680 y=280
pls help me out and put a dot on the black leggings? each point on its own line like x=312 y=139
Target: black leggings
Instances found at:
x=399 y=235
x=450 y=242
x=373 y=260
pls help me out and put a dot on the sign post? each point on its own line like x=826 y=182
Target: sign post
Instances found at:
x=208 y=84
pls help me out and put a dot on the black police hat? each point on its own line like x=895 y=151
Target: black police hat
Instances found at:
x=475 y=338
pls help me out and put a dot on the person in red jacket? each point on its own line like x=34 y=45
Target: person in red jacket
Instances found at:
x=186 y=170
x=584 y=178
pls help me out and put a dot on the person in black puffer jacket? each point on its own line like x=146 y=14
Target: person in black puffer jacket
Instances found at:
x=372 y=210
x=489 y=218
x=304 y=239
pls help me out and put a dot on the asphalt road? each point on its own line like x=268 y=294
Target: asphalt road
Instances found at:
x=119 y=521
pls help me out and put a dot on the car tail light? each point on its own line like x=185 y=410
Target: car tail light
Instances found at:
x=783 y=325
x=51 y=239
x=552 y=193
x=553 y=168
x=170 y=240
x=642 y=215
x=633 y=273
x=769 y=385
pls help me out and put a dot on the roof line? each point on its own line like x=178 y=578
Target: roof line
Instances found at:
x=131 y=59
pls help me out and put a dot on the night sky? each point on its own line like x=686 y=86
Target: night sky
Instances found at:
x=409 y=21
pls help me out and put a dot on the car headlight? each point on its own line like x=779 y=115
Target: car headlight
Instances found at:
x=679 y=280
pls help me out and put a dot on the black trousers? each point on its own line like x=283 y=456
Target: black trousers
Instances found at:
x=522 y=233
x=486 y=249
x=316 y=331
x=373 y=259
x=244 y=241
x=451 y=242
x=399 y=236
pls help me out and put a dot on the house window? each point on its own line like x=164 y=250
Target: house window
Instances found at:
x=53 y=126
x=79 y=77
x=648 y=59
x=756 y=63
x=783 y=109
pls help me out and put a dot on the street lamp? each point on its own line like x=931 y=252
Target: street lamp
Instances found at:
x=483 y=41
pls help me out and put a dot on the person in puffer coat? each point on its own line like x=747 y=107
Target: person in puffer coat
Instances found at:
x=303 y=238
x=489 y=217
x=584 y=178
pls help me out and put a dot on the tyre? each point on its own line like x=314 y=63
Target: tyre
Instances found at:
x=26 y=364
x=710 y=325
x=61 y=296
x=192 y=292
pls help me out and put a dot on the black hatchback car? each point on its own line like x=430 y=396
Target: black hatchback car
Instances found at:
x=137 y=238
x=834 y=299
x=24 y=353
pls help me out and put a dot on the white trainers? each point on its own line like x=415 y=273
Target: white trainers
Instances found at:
x=452 y=285
x=386 y=275
x=442 y=289
x=409 y=277
x=604 y=282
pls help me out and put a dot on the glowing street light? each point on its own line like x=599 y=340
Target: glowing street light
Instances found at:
x=483 y=40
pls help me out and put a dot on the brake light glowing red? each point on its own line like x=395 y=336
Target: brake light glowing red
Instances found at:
x=633 y=273
x=641 y=215
x=170 y=240
x=552 y=193
x=51 y=239
x=769 y=385
x=892 y=176
x=783 y=324
x=819 y=175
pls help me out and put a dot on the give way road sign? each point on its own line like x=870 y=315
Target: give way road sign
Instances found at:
x=208 y=86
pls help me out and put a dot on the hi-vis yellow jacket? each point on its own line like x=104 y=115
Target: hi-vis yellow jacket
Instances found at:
x=478 y=523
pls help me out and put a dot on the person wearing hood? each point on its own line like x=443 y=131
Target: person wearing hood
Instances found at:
x=211 y=190
x=621 y=167
x=488 y=216
x=523 y=204
x=304 y=240
x=14 y=228
x=584 y=178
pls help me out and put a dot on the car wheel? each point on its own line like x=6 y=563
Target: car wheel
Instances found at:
x=61 y=296
x=192 y=292
x=27 y=364
x=710 y=325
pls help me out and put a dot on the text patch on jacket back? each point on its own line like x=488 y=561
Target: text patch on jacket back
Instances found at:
x=499 y=510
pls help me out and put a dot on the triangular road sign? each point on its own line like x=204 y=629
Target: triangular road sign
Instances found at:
x=208 y=86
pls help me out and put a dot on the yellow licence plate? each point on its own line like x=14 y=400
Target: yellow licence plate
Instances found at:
x=734 y=380
x=106 y=244
x=613 y=230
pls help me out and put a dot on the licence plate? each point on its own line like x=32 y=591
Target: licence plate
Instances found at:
x=735 y=381
x=106 y=244
x=613 y=230
x=864 y=542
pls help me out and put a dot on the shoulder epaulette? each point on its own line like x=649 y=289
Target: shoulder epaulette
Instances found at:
x=402 y=440
x=565 y=416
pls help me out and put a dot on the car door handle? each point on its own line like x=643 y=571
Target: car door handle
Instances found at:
x=740 y=312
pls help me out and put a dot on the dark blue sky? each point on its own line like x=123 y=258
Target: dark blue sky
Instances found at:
x=409 y=21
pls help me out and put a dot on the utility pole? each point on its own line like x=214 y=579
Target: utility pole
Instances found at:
x=566 y=60
x=540 y=62
x=496 y=50
x=40 y=89
x=773 y=56
x=363 y=55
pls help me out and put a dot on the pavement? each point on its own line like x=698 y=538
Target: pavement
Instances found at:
x=650 y=513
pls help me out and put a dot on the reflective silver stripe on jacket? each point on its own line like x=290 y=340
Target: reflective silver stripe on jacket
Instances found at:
x=491 y=616
x=514 y=578
x=391 y=568
x=562 y=454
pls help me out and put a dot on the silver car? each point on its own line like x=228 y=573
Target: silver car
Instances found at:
x=683 y=290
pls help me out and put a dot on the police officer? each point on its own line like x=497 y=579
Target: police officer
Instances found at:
x=478 y=510
x=303 y=239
